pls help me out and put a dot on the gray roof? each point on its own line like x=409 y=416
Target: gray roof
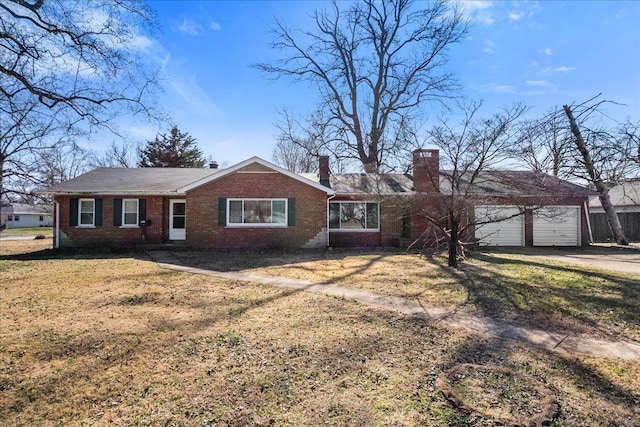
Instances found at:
x=25 y=209
x=131 y=181
x=489 y=183
x=520 y=184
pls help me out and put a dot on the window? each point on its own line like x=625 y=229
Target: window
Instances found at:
x=354 y=216
x=257 y=212
x=41 y=218
x=10 y=218
x=130 y=212
x=16 y=217
x=86 y=212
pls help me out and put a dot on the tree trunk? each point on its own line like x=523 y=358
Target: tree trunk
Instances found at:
x=453 y=242
x=605 y=200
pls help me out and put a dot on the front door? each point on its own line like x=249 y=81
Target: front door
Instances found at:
x=177 y=220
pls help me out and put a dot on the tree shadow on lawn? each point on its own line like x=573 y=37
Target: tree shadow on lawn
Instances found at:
x=589 y=300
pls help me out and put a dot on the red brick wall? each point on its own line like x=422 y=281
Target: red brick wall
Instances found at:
x=203 y=229
x=108 y=234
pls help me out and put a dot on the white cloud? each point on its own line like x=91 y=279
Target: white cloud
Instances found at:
x=193 y=96
x=215 y=26
x=548 y=51
x=145 y=132
x=561 y=69
x=515 y=16
x=479 y=11
x=541 y=83
x=190 y=27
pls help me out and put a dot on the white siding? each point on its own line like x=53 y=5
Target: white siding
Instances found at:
x=556 y=226
x=507 y=232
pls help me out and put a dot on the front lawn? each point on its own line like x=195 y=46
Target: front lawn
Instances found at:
x=89 y=338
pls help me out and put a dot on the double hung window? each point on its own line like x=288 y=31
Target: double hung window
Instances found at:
x=86 y=212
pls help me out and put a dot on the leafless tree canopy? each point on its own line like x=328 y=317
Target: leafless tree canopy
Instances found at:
x=374 y=65
x=467 y=149
x=76 y=55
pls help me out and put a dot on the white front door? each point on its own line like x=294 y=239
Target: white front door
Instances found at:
x=177 y=219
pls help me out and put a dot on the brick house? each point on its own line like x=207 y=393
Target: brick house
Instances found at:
x=258 y=204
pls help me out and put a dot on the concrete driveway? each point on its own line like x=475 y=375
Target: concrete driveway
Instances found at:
x=613 y=258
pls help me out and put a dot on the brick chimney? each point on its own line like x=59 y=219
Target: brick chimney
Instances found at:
x=323 y=171
x=426 y=170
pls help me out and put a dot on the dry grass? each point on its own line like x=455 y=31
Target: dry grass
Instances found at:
x=91 y=338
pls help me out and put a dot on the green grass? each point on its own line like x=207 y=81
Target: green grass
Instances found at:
x=29 y=231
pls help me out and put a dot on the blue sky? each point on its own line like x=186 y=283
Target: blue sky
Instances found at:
x=544 y=54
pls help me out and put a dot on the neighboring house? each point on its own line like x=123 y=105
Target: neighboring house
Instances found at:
x=23 y=215
x=625 y=198
x=258 y=204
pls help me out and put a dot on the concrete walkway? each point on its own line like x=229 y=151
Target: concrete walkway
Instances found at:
x=572 y=344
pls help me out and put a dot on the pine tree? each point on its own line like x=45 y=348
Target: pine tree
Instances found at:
x=176 y=150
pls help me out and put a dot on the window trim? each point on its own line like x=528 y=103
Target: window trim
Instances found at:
x=354 y=230
x=93 y=213
x=16 y=217
x=124 y=212
x=257 y=224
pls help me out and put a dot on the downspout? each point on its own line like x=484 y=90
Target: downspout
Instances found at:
x=586 y=215
x=56 y=240
x=328 y=200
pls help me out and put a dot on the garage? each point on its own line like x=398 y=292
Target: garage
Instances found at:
x=556 y=226
x=507 y=230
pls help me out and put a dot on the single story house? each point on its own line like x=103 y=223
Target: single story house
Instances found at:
x=258 y=204
x=23 y=215
x=625 y=197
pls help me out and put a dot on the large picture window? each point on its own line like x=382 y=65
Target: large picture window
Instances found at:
x=86 y=212
x=257 y=212
x=354 y=216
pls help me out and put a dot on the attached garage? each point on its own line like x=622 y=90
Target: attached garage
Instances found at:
x=507 y=230
x=557 y=226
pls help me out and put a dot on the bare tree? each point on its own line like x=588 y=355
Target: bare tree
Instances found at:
x=596 y=170
x=26 y=129
x=467 y=150
x=79 y=56
x=546 y=147
x=117 y=156
x=375 y=65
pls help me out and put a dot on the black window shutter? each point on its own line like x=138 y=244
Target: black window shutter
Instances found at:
x=142 y=209
x=73 y=211
x=117 y=212
x=291 y=214
x=222 y=211
x=98 y=206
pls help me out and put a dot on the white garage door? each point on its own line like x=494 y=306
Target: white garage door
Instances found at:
x=508 y=230
x=556 y=226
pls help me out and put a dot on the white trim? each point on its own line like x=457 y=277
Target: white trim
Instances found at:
x=56 y=242
x=93 y=218
x=258 y=160
x=124 y=224
x=258 y=224
x=171 y=203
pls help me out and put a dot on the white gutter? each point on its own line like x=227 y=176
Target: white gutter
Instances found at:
x=56 y=241
x=328 y=200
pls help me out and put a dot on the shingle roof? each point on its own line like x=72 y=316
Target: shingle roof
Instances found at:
x=131 y=181
x=490 y=183
x=519 y=183
x=25 y=209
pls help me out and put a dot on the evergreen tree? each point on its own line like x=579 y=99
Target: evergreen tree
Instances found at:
x=176 y=150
